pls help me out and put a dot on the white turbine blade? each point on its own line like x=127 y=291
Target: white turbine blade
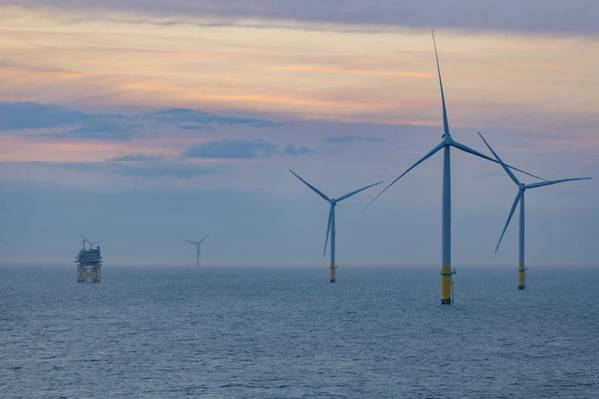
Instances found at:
x=357 y=191
x=326 y=240
x=317 y=191
x=192 y=242
x=424 y=158
x=472 y=151
x=550 y=182
x=202 y=240
x=503 y=165
x=509 y=218
x=445 y=122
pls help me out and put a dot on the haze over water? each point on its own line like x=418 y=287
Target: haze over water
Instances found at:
x=287 y=332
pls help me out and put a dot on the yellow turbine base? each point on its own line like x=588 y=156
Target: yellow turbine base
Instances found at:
x=521 y=278
x=446 y=285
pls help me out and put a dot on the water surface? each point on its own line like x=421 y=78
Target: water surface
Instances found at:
x=287 y=332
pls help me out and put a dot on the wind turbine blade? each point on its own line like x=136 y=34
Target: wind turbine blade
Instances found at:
x=326 y=240
x=202 y=240
x=317 y=191
x=192 y=242
x=550 y=182
x=424 y=158
x=481 y=155
x=503 y=165
x=357 y=191
x=445 y=123
x=509 y=218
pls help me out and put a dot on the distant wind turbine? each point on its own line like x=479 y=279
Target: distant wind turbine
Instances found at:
x=520 y=199
x=197 y=244
x=331 y=223
x=446 y=143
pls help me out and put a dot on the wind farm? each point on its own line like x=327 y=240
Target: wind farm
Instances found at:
x=447 y=269
x=210 y=142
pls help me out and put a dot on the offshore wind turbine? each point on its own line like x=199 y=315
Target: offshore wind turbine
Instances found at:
x=331 y=232
x=197 y=244
x=520 y=200
x=447 y=142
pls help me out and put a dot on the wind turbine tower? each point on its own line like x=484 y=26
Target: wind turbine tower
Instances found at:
x=520 y=200
x=331 y=232
x=197 y=244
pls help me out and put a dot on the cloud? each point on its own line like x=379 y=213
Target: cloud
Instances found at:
x=291 y=149
x=135 y=157
x=28 y=115
x=232 y=149
x=197 y=119
x=576 y=16
x=104 y=127
x=340 y=140
x=108 y=126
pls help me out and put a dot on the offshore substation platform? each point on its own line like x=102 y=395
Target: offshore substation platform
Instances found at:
x=89 y=263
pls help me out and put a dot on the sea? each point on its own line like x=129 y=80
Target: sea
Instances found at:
x=286 y=332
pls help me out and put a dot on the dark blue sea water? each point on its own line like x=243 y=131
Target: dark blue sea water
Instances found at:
x=288 y=333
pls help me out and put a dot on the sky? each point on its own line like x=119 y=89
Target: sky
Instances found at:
x=149 y=122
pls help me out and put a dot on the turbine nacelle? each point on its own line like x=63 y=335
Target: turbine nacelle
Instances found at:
x=197 y=243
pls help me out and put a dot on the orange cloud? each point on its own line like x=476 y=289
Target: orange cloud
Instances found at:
x=123 y=61
x=351 y=71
